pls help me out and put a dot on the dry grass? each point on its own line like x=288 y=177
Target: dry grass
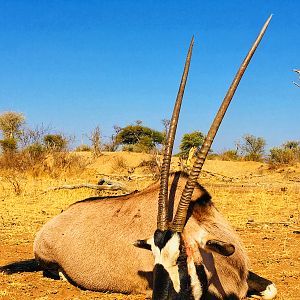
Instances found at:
x=263 y=205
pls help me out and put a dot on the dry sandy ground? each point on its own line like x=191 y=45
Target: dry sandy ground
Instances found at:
x=262 y=204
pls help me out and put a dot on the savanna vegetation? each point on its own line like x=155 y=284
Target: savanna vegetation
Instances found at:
x=36 y=144
x=256 y=189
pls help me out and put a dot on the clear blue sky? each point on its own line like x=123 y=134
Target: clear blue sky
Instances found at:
x=74 y=65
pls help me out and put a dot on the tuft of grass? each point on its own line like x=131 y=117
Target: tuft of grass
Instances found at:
x=120 y=163
x=230 y=155
x=151 y=166
x=37 y=162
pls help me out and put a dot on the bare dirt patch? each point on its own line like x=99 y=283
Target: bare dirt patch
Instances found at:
x=263 y=205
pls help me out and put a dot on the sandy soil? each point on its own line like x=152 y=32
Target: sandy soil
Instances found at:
x=262 y=204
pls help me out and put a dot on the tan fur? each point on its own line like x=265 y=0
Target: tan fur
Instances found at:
x=92 y=242
x=226 y=275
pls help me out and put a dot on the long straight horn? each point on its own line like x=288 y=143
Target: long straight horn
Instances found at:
x=162 y=216
x=180 y=216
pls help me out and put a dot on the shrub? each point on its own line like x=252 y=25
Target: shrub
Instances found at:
x=37 y=160
x=229 y=155
x=10 y=161
x=151 y=166
x=35 y=152
x=214 y=156
x=253 y=147
x=8 y=145
x=55 y=142
x=284 y=156
x=291 y=145
x=83 y=147
x=119 y=163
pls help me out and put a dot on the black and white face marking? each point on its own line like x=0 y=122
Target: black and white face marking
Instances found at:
x=166 y=250
x=173 y=276
x=170 y=274
x=176 y=275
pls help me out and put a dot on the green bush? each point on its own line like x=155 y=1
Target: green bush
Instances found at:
x=253 y=147
x=8 y=145
x=55 y=142
x=35 y=152
x=139 y=147
x=285 y=156
x=83 y=148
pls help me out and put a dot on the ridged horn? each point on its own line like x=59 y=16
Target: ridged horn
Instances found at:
x=180 y=216
x=162 y=216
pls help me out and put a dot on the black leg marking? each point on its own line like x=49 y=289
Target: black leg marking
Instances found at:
x=259 y=286
x=29 y=265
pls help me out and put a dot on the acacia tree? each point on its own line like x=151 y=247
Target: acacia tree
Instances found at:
x=10 y=125
x=253 y=147
x=189 y=140
x=139 y=138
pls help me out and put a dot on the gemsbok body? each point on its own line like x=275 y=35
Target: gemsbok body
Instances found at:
x=168 y=240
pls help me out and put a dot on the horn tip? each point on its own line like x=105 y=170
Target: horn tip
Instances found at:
x=269 y=19
x=192 y=40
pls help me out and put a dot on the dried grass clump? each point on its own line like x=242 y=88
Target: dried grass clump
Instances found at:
x=119 y=163
x=64 y=163
x=151 y=166
x=229 y=155
x=38 y=162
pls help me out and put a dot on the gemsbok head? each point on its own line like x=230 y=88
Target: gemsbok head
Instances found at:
x=194 y=255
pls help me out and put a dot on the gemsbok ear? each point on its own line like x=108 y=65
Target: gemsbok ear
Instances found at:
x=223 y=248
x=143 y=244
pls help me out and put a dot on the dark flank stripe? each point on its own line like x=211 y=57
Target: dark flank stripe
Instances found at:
x=102 y=198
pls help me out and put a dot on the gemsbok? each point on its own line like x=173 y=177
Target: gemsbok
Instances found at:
x=96 y=243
